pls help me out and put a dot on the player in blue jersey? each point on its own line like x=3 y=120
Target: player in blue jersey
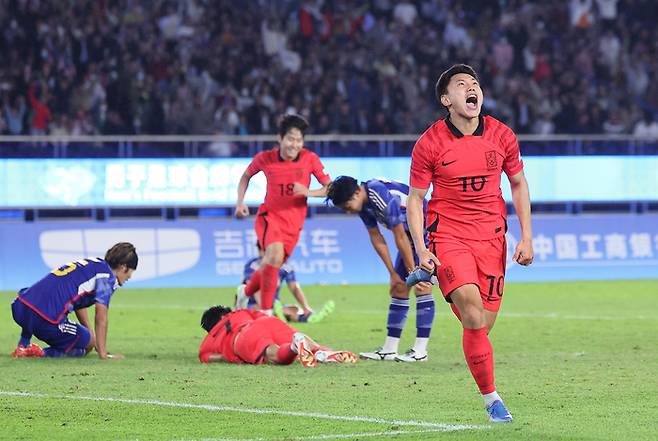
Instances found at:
x=379 y=201
x=42 y=309
x=301 y=312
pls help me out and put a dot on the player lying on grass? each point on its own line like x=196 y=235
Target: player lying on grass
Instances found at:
x=379 y=201
x=252 y=337
x=301 y=312
x=42 y=309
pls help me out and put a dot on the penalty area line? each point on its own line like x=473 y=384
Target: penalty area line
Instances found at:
x=439 y=427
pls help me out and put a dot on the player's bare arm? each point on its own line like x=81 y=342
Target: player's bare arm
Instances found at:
x=404 y=246
x=428 y=261
x=302 y=190
x=524 y=253
x=101 y=333
x=297 y=292
x=217 y=358
x=241 y=210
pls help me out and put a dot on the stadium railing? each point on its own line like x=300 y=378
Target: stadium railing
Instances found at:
x=193 y=146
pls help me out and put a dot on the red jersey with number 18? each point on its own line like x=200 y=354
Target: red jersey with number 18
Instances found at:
x=281 y=176
x=465 y=174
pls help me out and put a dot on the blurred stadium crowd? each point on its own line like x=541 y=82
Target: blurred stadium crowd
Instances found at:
x=207 y=67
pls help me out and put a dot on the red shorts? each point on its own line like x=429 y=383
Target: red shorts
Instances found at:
x=481 y=262
x=271 y=228
x=252 y=341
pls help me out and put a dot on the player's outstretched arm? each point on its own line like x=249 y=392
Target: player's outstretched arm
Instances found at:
x=524 y=253
x=416 y=220
x=241 y=210
x=297 y=292
x=302 y=190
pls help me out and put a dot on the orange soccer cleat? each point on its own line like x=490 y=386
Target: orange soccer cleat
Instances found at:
x=32 y=350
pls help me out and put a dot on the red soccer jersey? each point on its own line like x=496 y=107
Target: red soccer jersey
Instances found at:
x=465 y=173
x=221 y=337
x=281 y=176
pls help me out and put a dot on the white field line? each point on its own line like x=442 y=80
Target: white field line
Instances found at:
x=330 y=436
x=547 y=315
x=436 y=426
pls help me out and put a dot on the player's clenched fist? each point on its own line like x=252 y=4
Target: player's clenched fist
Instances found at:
x=241 y=211
x=524 y=253
x=427 y=260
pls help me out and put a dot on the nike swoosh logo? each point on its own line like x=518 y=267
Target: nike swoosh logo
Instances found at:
x=447 y=163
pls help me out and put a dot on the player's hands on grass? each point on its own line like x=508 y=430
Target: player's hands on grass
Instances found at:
x=241 y=211
x=524 y=253
x=300 y=189
x=109 y=356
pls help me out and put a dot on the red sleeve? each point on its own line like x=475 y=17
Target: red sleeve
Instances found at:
x=318 y=170
x=204 y=357
x=513 y=163
x=256 y=164
x=422 y=167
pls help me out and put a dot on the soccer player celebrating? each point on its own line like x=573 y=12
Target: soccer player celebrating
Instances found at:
x=248 y=336
x=288 y=169
x=42 y=309
x=463 y=157
x=301 y=312
x=379 y=201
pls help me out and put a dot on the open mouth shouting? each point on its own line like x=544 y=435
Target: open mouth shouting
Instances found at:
x=472 y=101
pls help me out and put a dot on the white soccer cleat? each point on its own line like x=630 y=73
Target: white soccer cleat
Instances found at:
x=378 y=355
x=411 y=357
x=241 y=299
x=335 y=357
x=302 y=347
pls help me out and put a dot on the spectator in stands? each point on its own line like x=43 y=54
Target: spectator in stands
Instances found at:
x=647 y=127
x=204 y=67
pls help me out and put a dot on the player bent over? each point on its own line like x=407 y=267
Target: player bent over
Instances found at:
x=463 y=157
x=379 y=201
x=42 y=309
x=280 y=218
x=300 y=312
x=252 y=337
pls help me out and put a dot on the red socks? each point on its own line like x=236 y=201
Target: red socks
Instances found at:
x=269 y=282
x=253 y=284
x=285 y=355
x=479 y=357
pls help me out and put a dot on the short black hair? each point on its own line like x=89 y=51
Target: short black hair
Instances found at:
x=213 y=315
x=122 y=253
x=441 y=87
x=341 y=190
x=292 y=121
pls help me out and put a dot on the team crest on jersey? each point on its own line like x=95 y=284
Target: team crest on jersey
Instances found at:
x=299 y=174
x=492 y=160
x=450 y=274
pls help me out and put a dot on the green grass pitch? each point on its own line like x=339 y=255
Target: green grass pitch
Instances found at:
x=574 y=361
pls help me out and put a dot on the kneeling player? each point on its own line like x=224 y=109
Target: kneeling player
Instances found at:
x=379 y=201
x=252 y=337
x=42 y=309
